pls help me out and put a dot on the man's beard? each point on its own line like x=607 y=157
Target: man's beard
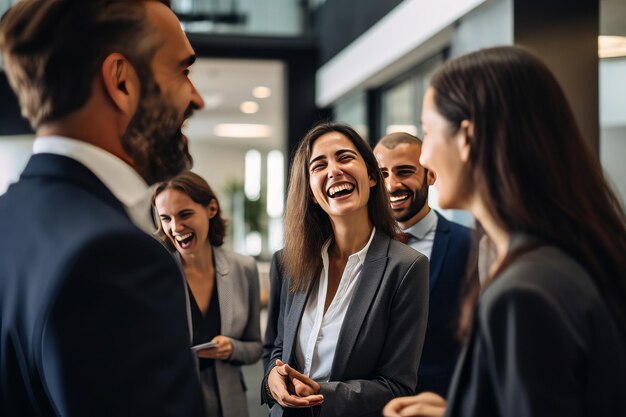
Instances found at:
x=154 y=138
x=418 y=199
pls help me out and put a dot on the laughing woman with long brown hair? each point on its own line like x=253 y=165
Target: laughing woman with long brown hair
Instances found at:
x=546 y=336
x=354 y=300
x=223 y=288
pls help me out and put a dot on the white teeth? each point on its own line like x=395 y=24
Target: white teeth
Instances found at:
x=395 y=199
x=182 y=237
x=334 y=190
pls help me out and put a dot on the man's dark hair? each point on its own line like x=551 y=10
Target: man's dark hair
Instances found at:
x=53 y=49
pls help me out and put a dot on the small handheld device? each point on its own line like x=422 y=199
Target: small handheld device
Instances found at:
x=202 y=346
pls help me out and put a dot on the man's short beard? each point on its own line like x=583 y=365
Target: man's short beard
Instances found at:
x=154 y=139
x=419 y=198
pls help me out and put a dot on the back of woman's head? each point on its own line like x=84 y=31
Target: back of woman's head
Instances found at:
x=201 y=193
x=529 y=163
x=307 y=226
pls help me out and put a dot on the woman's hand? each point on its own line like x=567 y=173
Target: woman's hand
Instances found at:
x=223 y=350
x=302 y=385
x=291 y=389
x=426 y=404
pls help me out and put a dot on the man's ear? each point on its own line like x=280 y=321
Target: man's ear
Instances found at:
x=121 y=82
x=463 y=138
x=372 y=181
x=431 y=177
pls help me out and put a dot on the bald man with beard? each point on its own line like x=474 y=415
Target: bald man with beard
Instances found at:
x=445 y=243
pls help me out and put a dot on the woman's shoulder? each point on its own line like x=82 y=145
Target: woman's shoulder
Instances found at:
x=235 y=258
x=545 y=268
x=543 y=278
x=401 y=252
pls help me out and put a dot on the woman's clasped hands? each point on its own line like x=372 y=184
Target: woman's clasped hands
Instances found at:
x=292 y=389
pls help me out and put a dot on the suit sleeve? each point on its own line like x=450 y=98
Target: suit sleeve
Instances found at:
x=273 y=308
x=396 y=373
x=281 y=292
x=117 y=339
x=529 y=347
x=247 y=349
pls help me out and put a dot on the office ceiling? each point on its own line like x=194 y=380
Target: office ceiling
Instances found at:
x=225 y=84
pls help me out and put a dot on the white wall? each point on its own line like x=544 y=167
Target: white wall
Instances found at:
x=613 y=157
x=401 y=39
x=14 y=153
x=490 y=24
x=612 y=90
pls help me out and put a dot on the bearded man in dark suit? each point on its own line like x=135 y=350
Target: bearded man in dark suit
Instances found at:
x=92 y=308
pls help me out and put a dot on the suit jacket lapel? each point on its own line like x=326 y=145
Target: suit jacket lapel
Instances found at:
x=224 y=290
x=367 y=287
x=179 y=263
x=292 y=322
x=440 y=247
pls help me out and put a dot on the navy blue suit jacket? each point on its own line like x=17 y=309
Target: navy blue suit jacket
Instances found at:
x=92 y=309
x=448 y=271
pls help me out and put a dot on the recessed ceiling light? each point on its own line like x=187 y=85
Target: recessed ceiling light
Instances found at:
x=261 y=92
x=611 y=46
x=249 y=107
x=242 y=130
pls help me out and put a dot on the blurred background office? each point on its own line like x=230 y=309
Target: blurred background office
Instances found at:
x=268 y=69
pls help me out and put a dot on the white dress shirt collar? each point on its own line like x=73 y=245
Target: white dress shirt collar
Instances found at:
x=119 y=177
x=318 y=332
x=422 y=234
x=424 y=226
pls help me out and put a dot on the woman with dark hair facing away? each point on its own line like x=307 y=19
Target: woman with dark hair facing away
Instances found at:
x=354 y=300
x=223 y=290
x=545 y=336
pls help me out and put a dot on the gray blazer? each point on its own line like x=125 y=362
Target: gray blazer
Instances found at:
x=381 y=337
x=543 y=344
x=238 y=292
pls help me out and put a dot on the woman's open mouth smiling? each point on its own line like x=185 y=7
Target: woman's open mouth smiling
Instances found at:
x=184 y=241
x=340 y=190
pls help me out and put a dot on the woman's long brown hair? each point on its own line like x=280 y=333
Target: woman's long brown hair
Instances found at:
x=531 y=166
x=307 y=226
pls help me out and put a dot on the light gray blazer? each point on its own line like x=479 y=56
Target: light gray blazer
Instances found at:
x=238 y=293
x=381 y=337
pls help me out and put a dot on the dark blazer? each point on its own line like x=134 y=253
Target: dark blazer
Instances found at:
x=381 y=337
x=448 y=271
x=92 y=309
x=273 y=307
x=543 y=344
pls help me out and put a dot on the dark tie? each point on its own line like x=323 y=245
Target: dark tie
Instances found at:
x=404 y=237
